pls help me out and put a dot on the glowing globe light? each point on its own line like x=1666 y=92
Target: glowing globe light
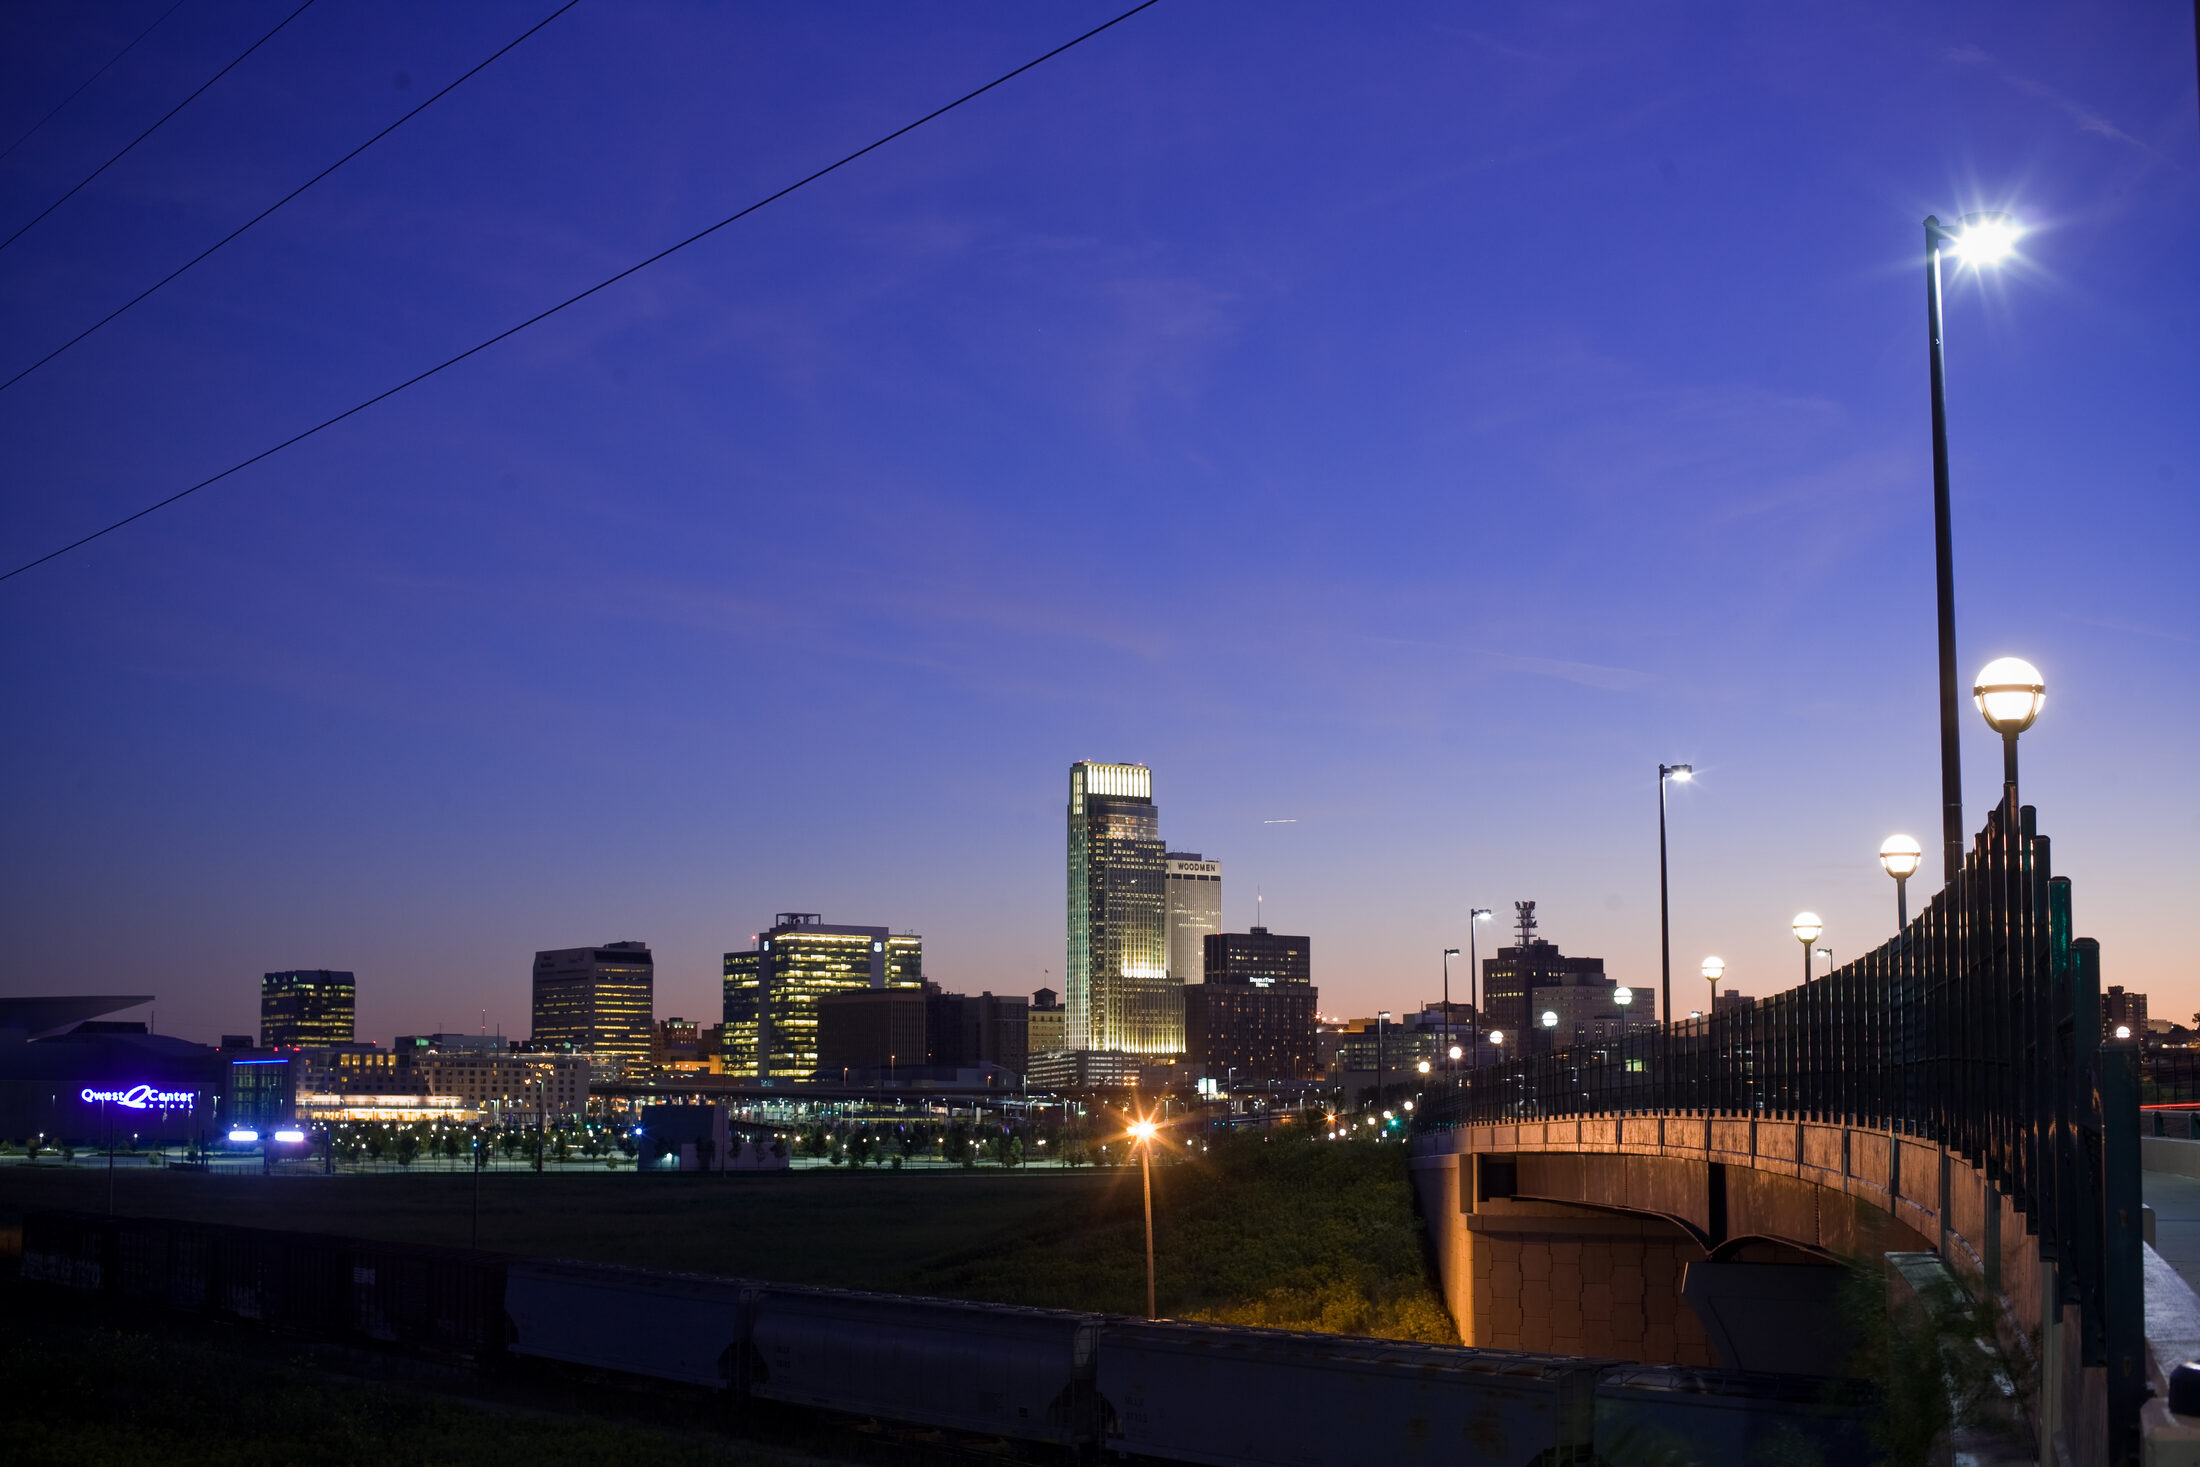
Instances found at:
x=1807 y=926
x=1456 y=1051
x=1550 y=1018
x=1497 y=1036
x=2009 y=693
x=1623 y=996
x=1714 y=969
x=1900 y=855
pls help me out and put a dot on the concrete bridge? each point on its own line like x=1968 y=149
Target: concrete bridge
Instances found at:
x=1944 y=1108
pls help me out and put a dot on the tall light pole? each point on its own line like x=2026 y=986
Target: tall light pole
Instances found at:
x=2010 y=694
x=1713 y=970
x=1684 y=773
x=1449 y=954
x=1900 y=856
x=1142 y=1134
x=1977 y=239
x=1806 y=929
x=1382 y=1070
x=1474 y=984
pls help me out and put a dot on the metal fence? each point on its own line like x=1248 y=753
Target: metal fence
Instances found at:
x=1978 y=1026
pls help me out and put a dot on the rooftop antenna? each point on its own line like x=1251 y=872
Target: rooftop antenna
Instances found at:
x=1526 y=911
x=1256 y=906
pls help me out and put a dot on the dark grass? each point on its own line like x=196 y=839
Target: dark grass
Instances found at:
x=1286 y=1231
x=86 y=1388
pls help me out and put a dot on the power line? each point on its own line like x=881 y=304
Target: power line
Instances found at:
x=286 y=198
x=95 y=76
x=572 y=300
x=141 y=137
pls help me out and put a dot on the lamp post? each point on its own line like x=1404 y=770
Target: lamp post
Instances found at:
x=1684 y=773
x=1713 y=970
x=1807 y=928
x=1449 y=954
x=2009 y=693
x=1900 y=856
x=1977 y=239
x=1474 y=984
x=1382 y=1070
x=1142 y=1133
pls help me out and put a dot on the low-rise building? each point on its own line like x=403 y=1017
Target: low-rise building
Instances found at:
x=1045 y=1031
x=1083 y=1071
x=518 y=1087
x=871 y=1029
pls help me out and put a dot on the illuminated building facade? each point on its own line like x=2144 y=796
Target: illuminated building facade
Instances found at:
x=1195 y=910
x=1121 y=997
x=1260 y=958
x=773 y=990
x=596 y=1000
x=1043 y=1025
x=306 y=1006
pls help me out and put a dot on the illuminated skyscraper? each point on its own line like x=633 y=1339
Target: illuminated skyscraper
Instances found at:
x=1195 y=909
x=596 y=1000
x=772 y=991
x=1121 y=996
x=306 y=1006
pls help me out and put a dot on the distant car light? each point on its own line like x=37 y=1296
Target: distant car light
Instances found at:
x=291 y=1138
x=243 y=1136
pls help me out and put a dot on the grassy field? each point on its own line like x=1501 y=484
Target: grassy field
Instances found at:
x=1290 y=1232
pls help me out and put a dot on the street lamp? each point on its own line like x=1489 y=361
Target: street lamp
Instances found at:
x=1142 y=1132
x=1684 y=773
x=1713 y=970
x=1449 y=954
x=1900 y=855
x=1382 y=1070
x=1978 y=240
x=1807 y=928
x=2009 y=693
x=1474 y=982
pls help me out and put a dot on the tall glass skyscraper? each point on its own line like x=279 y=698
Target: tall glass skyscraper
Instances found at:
x=1195 y=910
x=306 y=1006
x=596 y=1000
x=772 y=991
x=1120 y=996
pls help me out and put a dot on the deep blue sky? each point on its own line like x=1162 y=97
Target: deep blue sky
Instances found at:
x=1416 y=421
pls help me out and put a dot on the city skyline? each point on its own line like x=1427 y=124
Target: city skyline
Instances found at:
x=1406 y=435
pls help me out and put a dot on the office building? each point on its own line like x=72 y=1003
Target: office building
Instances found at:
x=872 y=1029
x=1514 y=1001
x=512 y=1088
x=1121 y=997
x=1259 y=957
x=2121 y=1010
x=1043 y=1028
x=1083 y=1071
x=772 y=991
x=1195 y=910
x=306 y=1006
x=967 y=1031
x=1260 y=1033
x=684 y=1046
x=596 y=1000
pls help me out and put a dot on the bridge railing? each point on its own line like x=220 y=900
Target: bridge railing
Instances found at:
x=1978 y=1026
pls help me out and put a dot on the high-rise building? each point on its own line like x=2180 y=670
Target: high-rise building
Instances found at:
x=772 y=990
x=1043 y=1025
x=2121 y=1010
x=1510 y=979
x=596 y=1000
x=1195 y=909
x=1121 y=997
x=872 y=1029
x=988 y=1029
x=1261 y=958
x=306 y=1006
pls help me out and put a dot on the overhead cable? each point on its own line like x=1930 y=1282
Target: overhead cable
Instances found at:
x=572 y=300
x=141 y=137
x=95 y=76
x=286 y=198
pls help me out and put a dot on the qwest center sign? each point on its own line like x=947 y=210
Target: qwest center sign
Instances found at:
x=143 y=1097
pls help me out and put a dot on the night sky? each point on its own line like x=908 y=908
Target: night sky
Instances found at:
x=1413 y=421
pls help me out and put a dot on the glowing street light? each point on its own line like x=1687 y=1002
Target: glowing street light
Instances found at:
x=1807 y=927
x=1713 y=970
x=1449 y=954
x=1422 y=1067
x=1978 y=240
x=1683 y=773
x=1474 y=982
x=2010 y=694
x=1900 y=855
x=1141 y=1133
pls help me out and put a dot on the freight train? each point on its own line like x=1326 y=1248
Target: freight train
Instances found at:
x=1087 y=1384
